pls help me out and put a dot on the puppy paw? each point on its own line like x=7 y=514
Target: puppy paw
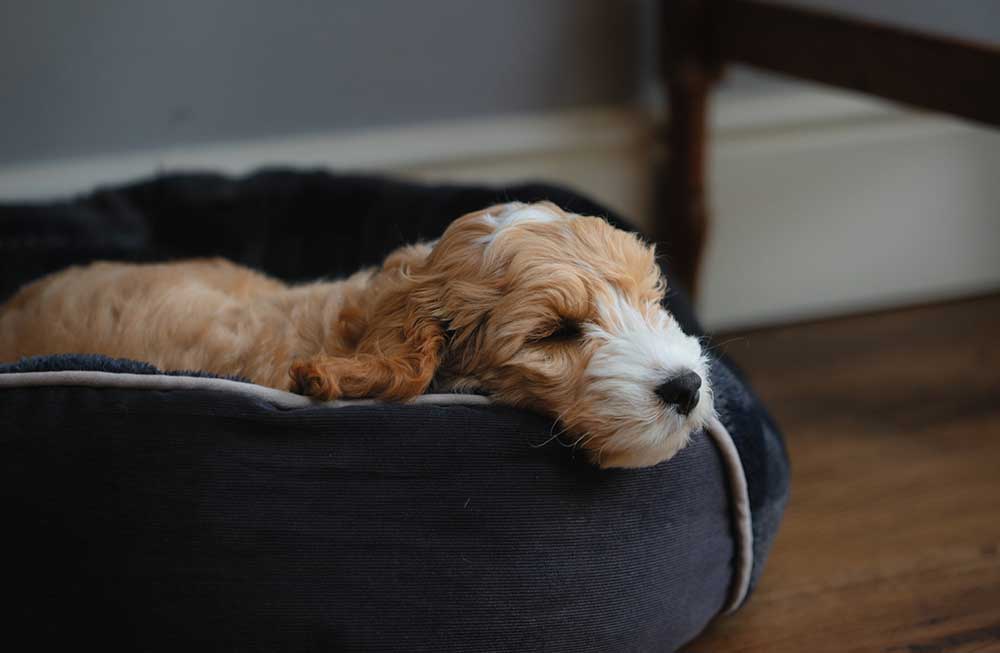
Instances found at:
x=308 y=378
x=359 y=377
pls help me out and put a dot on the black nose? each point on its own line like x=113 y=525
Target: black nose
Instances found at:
x=681 y=391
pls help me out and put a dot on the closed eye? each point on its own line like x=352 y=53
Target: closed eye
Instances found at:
x=566 y=331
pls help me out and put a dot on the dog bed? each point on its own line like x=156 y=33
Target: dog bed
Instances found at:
x=159 y=511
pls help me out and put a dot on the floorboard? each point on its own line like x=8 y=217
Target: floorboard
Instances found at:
x=891 y=538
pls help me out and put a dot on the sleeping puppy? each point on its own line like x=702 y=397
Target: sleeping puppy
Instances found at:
x=540 y=308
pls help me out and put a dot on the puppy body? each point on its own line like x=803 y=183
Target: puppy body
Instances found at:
x=543 y=309
x=209 y=315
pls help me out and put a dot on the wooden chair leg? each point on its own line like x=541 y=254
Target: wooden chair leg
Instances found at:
x=690 y=66
x=684 y=226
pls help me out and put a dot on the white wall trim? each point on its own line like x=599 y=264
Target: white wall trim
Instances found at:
x=375 y=149
x=809 y=119
x=796 y=106
x=824 y=205
x=741 y=126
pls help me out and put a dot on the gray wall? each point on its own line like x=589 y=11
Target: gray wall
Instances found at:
x=102 y=76
x=82 y=77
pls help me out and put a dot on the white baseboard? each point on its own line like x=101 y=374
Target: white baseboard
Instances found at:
x=848 y=205
x=822 y=203
x=410 y=147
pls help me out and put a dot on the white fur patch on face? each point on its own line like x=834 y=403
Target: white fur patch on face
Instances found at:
x=634 y=356
x=514 y=214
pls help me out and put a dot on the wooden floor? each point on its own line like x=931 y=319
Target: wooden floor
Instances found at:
x=891 y=541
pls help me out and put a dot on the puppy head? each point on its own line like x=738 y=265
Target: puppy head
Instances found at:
x=552 y=311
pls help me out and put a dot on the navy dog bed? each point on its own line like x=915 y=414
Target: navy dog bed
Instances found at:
x=146 y=510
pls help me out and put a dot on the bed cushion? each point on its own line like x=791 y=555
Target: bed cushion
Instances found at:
x=160 y=510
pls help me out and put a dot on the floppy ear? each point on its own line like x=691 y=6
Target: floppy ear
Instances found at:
x=400 y=341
